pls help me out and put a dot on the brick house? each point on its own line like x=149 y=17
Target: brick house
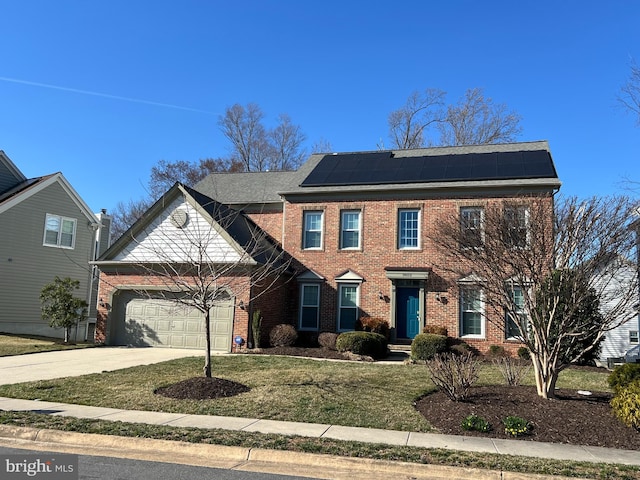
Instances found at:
x=355 y=227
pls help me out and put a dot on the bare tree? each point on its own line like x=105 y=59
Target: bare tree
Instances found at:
x=476 y=120
x=630 y=92
x=257 y=148
x=408 y=124
x=203 y=264
x=243 y=128
x=473 y=120
x=287 y=140
x=125 y=214
x=516 y=251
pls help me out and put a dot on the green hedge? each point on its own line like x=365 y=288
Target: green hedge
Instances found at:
x=623 y=375
x=363 y=343
x=626 y=404
x=426 y=345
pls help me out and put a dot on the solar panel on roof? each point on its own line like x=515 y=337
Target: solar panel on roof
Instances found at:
x=377 y=168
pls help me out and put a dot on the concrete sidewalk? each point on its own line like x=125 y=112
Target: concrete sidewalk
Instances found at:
x=314 y=430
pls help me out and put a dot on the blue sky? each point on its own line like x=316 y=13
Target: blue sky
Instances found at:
x=139 y=81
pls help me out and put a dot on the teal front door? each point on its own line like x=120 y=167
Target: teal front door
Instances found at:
x=407 y=312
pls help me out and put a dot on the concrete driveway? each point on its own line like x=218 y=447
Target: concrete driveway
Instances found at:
x=73 y=363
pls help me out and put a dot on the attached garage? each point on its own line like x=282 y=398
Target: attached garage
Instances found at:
x=140 y=320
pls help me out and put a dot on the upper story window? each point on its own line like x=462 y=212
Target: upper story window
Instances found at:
x=471 y=312
x=350 y=229
x=633 y=336
x=59 y=231
x=408 y=228
x=516 y=226
x=312 y=236
x=471 y=225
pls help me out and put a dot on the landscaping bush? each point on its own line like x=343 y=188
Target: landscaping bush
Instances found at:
x=363 y=343
x=626 y=404
x=454 y=374
x=283 y=335
x=623 y=375
x=474 y=422
x=496 y=351
x=516 y=426
x=375 y=325
x=436 y=330
x=459 y=347
x=513 y=370
x=524 y=353
x=426 y=345
x=328 y=340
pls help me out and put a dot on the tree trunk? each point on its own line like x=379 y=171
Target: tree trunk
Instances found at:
x=207 y=355
x=546 y=375
x=66 y=334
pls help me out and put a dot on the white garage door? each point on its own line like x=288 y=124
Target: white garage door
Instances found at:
x=163 y=323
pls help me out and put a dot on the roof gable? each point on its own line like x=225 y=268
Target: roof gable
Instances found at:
x=184 y=224
x=33 y=186
x=10 y=175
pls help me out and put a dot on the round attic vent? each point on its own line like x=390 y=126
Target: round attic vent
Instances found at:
x=179 y=218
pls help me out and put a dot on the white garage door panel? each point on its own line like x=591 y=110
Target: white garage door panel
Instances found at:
x=162 y=323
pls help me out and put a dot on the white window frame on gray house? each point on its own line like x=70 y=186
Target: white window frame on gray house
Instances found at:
x=313 y=229
x=350 y=229
x=59 y=231
x=633 y=337
x=409 y=229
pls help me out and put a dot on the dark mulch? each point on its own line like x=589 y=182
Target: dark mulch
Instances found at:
x=570 y=418
x=202 y=388
x=313 y=352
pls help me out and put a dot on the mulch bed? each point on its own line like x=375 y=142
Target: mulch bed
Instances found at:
x=312 y=352
x=202 y=388
x=569 y=418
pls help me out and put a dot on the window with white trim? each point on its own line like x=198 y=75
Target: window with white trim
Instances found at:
x=633 y=336
x=471 y=226
x=312 y=236
x=350 y=229
x=471 y=312
x=408 y=229
x=309 y=306
x=513 y=325
x=348 y=305
x=516 y=227
x=59 y=231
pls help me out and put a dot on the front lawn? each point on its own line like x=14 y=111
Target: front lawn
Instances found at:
x=21 y=344
x=282 y=388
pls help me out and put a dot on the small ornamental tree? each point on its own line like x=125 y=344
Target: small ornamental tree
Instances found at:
x=60 y=307
x=555 y=273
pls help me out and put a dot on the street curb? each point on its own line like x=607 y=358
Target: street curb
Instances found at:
x=245 y=459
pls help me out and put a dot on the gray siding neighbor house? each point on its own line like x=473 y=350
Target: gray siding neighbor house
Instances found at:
x=48 y=231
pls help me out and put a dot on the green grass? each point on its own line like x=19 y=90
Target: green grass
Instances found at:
x=22 y=344
x=282 y=388
x=328 y=446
